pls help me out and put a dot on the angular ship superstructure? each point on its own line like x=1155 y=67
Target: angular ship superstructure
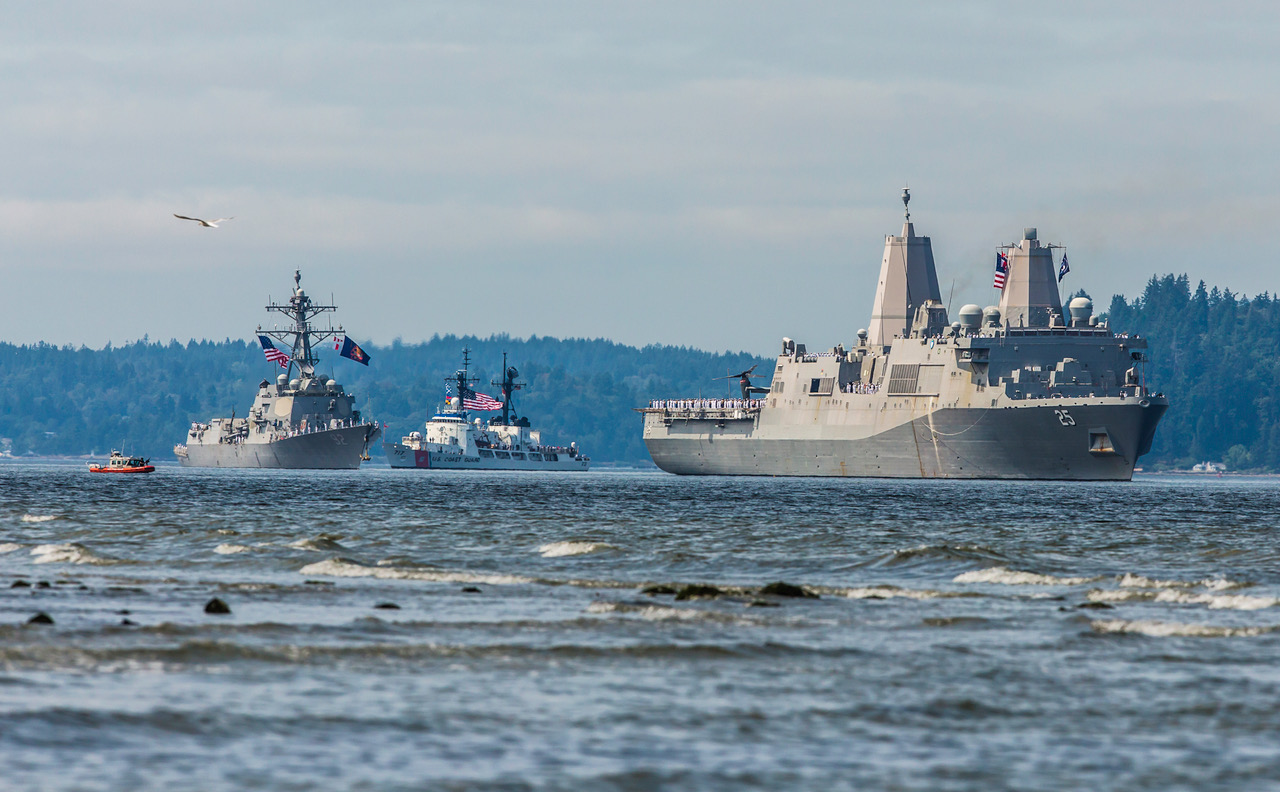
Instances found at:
x=453 y=440
x=300 y=421
x=1016 y=390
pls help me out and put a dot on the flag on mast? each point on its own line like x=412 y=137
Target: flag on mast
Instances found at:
x=1064 y=269
x=479 y=401
x=273 y=354
x=1002 y=270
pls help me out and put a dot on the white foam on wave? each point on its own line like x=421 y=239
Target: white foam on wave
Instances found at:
x=1159 y=629
x=38 y=518
x=661 y=612
x=341 y=567
x=317 y=543
x=71 y=553
x=891 y=592
x=1014 y=577
x=561 y=549
x=1218 y=601
x=231 y=549
x=1129 y=580
x=9 y=547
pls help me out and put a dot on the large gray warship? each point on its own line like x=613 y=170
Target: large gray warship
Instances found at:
x=297 y=422
x=1013 y=391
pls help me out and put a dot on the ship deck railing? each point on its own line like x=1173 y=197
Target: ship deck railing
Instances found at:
x=704 y=409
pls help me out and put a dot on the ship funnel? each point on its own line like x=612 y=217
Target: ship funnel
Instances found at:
x=908 y=280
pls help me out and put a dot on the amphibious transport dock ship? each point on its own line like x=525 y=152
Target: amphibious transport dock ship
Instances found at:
x=1017 y=390
x=454 y=441
x=299 y=421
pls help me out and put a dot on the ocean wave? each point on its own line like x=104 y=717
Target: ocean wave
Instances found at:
x=944 y=552
x=1217 y=601
x=343 y=567
x=1159 y=629
x=1130 y=580
x=70 y=553
x=1013 y=577
x=231 y=549
x=38 y=518
x=571 y=548
x=664 y=612
x=9 y=547
x=321 y=543
x=891 y=592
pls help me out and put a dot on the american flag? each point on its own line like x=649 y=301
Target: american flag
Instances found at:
x=272 y=353
x=1002 y=270
x=480 y=401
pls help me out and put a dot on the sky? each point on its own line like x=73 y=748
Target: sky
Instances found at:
x=702 y=173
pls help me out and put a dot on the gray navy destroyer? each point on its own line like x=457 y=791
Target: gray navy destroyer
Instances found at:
x=453 y=440
x=1014 y=391
x=302 y=420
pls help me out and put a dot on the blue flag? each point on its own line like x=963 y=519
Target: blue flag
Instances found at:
x=1064 y=269
x=350 y=349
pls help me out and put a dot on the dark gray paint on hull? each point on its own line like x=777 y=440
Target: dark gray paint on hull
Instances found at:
x=1015 y=442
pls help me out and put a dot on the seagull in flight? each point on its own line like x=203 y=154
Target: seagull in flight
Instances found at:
x=205 y=223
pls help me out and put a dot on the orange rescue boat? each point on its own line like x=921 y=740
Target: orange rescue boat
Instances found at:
x=119 y=463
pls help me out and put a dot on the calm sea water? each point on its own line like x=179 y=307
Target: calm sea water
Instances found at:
x=966 y=636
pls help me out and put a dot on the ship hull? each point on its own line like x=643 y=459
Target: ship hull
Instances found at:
x=1101 y=443
x=402 y=456
x=331 y=449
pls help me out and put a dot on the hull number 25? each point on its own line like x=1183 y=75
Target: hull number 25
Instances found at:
x=1065 y=418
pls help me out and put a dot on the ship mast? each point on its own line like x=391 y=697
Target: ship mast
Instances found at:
x=301 y=311
x=508 y=385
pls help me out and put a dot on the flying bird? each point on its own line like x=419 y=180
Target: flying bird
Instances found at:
x=205 y=223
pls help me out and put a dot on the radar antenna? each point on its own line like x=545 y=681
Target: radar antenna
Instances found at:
x=302 y=336
x=906 y=199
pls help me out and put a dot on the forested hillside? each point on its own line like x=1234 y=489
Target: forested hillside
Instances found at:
x=61 y=400
x=1216 y=355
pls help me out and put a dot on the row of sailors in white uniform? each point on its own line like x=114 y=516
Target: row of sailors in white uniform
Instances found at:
x=860 y=387
x=703 y=404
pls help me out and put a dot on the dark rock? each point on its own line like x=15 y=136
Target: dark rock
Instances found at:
x=1095 y=605
x=128 y=623
x=82 y=587
x=123 y=612
x=318 y=582
x=20 y=584
x=762 y=604
x=660 y=588
x=470 y=590
x=40 y=618
x=216 y=607
x=696 y=590
x=387 y=606
x=43 y=584
x=781 y=589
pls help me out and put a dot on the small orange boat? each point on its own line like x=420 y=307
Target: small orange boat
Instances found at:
x=119 y=463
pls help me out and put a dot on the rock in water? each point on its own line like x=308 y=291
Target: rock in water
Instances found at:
x=20 y=584
x=40 y=618
x=658 y=588
x=696 y=590
x=781 y=589
x=217 y=607
x=470 y=590
x=387 y=606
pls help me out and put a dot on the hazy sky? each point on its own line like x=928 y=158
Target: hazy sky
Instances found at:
x=716 y=174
